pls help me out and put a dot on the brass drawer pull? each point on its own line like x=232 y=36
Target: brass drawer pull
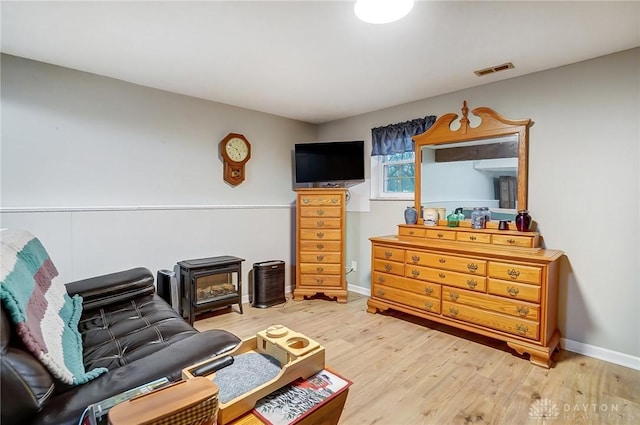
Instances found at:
x=428 y=290
x=453 y=296
x=415 y=258
x=442 y=275
x=388 y=254
x=513 y=273
x=334 y=200
x=320 y=269
x=320 y=223
x=320 y=257
x=410 y=232
x=388 y=267
x=320 y=235
x=428 y=305
x=440 y=235
x=473 y=238
x=319 y=281
x=306 y=201
x=522 y=329
x=512 y=291
x=380 y=293
x=320 y=212
x=441 y=260
x=320 y=246
x=453 y=311
x=472 y=283
x=381 y=279
x=473 y=267
x=511 y=241
x=522 y=310
x=415 y=272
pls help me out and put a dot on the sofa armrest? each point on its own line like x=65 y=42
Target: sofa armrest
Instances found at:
x=112 y=288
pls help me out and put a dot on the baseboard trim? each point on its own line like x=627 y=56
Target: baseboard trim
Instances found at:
x=600 y=353
x=574 y=346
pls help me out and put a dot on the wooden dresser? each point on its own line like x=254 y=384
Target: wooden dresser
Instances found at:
x=492 y=282
x=320 y=240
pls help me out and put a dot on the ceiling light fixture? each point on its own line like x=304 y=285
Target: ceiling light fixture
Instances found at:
x=382 y=11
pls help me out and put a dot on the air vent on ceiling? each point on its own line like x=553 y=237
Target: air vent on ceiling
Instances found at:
x=494 y=69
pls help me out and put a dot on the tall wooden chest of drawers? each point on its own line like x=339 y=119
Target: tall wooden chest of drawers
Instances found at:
x=497 y=284
x=320 y=240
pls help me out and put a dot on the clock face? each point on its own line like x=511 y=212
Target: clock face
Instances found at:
x=237 y=149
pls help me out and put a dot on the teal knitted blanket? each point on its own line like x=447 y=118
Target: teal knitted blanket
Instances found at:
x=45 y=317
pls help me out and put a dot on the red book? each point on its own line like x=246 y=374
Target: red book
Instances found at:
x=291 y=403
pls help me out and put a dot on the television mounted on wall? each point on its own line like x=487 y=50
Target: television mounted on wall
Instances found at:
x=339 y=163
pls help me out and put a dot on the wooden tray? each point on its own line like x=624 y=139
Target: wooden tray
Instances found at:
x=298 y=355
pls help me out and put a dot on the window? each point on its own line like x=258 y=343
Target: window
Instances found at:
x=393 y=160
x=394 y=175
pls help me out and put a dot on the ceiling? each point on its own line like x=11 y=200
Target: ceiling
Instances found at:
x=313 y=60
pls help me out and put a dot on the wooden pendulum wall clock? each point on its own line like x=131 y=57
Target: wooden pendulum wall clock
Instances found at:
x=236 y=151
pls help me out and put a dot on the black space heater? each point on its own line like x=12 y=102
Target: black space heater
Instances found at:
x=268 y=284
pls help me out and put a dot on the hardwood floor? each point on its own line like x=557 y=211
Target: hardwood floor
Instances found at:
x=409 y=371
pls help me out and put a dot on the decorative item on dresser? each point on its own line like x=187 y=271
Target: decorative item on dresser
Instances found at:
x=320 y=231
x=491 y=281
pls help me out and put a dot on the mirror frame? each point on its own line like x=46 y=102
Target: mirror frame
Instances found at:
x=491 y=125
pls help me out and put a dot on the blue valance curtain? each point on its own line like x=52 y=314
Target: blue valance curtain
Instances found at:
x=396 y=138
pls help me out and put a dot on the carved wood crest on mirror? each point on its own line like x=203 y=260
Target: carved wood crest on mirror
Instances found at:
x=469 y=166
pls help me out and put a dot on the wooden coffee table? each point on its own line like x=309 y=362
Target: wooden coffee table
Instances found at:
x=327 y=414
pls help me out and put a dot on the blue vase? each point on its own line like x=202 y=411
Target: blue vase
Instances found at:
x=410 y=215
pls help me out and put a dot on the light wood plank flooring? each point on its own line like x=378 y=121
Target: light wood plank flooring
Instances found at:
x=410 y=371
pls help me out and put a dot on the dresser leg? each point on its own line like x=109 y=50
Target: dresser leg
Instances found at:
x=539 y=356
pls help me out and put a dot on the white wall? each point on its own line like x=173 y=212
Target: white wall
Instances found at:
x=111 y=175
x=584 y=187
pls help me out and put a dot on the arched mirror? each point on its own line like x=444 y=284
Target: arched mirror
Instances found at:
x=469 y=166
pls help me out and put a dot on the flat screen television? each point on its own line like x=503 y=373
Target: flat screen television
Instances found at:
x=331 y=163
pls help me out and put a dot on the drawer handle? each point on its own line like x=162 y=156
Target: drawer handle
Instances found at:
x=320 y=246
x=453 y=311
x=472 y=283
x=320 y=269
x=473 y=267
x=380 y=292
x=306 y=201
x=319 y=281
x=442 y=275
x=320 y=212
x=522 y=310
x=410 y=232
x=522 y=329
x=320 y=234
x=415 y=272
x=513 y=273
x=388 y=267
x=428 y=305
x=381 y=279
x=415 y=258
x=441 y=260
x=388 y=254
x=320 y=257
x=511 y=241
x=453 y=296
x=334 y=200
x=320 y=223
x=428 y=290
x=473 y=238
x=512 y=291
x=440 y=235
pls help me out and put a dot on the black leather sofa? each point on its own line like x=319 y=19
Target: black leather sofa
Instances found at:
x=127 y=328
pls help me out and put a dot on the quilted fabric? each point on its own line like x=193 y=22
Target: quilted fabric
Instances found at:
x=46 y=318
